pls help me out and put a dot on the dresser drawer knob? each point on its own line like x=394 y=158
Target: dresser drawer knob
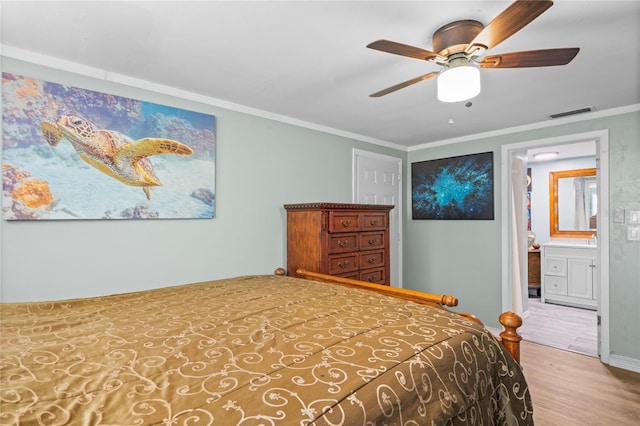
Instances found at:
x=345 y=223
x=371 y=278
x=371 y=260
x=373 y=222
x=343 y=265
x=343 y=243
x=372 y=242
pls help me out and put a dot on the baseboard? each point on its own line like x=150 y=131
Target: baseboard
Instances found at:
x=618 y=361
x=624 y=362
x=495 y=331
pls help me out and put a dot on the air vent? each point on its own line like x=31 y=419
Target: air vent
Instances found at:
x=574 y=112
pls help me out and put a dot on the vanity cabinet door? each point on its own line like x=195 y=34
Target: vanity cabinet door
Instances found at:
x=580 y=278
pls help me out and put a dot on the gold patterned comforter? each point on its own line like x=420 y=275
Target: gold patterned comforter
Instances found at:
x=254 y=350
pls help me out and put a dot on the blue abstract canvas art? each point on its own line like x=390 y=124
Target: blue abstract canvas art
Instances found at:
x=453 y=188
x=73 y=153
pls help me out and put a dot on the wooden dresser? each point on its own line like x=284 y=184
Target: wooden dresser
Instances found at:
x=347 y=240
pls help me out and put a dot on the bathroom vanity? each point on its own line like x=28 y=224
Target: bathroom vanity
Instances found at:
x=569 y=275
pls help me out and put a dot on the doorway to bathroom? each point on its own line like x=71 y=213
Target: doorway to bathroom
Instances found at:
x=546 y=323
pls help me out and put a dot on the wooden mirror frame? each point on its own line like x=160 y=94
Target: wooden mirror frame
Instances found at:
x=553 y=204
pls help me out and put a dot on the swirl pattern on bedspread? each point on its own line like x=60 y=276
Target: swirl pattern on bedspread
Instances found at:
x=253 y=350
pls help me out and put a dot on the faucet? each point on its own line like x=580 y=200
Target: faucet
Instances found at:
x=594 y=239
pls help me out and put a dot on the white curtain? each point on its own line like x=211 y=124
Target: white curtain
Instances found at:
x=519 y=259
x=516 y=272
x=580 y=204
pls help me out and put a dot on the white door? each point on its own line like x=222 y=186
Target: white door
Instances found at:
x=377 y=179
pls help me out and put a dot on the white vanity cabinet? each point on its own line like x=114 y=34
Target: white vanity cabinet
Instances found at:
x=569 y=275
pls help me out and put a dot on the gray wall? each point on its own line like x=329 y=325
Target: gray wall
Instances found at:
x=260 y=165
x=464 y=257
x=263 y=164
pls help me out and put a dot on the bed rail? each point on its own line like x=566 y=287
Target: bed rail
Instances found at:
x=509 y=320
x=400 y=293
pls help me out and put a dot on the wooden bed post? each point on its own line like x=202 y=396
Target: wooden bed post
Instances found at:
x=510 y=337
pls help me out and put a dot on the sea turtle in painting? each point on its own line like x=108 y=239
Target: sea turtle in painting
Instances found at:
x=111 y=152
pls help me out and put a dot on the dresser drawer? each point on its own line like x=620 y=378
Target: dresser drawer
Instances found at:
x=355 y=275
x=371 y=259
x=555 y=266
x=344 y=221
x=372 y=240
x=555 y=285
x=343 y=243
x=373 y=221
x=341 y=263
x=376 y=275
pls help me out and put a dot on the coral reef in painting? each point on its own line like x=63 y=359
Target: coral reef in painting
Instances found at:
x=141 y=211
x=59 y=185
x=24 y=196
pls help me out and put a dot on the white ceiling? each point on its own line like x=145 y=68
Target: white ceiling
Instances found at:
x=306 y=61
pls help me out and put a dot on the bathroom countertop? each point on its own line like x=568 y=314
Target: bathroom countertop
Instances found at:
x=571 y=245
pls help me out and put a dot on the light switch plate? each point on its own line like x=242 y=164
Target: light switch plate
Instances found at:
x=633 y=233
x=634 y=217
x=618 y=215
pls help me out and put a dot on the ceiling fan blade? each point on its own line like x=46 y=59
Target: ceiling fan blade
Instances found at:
x=511 y=20
x=402 y=49
x=530 y=58
x=403 y=85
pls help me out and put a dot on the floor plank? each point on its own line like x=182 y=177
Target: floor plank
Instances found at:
x=568 y=389
x=561 y=327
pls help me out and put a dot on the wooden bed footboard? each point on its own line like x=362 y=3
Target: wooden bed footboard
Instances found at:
x=509 y=320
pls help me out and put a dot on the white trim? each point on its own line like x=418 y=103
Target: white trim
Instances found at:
x=602 y=143
x=618 y=361
x=627 y=363
x=1 y=153
x=602 y=150
x=102 y=74
x=354 y=196
x=539 y=125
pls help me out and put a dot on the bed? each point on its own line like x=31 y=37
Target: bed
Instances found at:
x=258 y=350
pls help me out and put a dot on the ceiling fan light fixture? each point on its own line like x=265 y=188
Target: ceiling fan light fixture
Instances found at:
x=456 y=84
x=547 y=155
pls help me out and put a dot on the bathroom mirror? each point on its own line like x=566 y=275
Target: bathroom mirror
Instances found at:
x=573 y=203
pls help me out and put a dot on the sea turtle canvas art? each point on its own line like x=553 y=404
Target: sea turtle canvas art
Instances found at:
x=111 y=152
x=74 y=153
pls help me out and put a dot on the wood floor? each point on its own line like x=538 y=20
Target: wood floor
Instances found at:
x=562 y=327
x=568 y=389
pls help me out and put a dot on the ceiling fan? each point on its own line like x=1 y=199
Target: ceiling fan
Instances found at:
x=459 y=45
